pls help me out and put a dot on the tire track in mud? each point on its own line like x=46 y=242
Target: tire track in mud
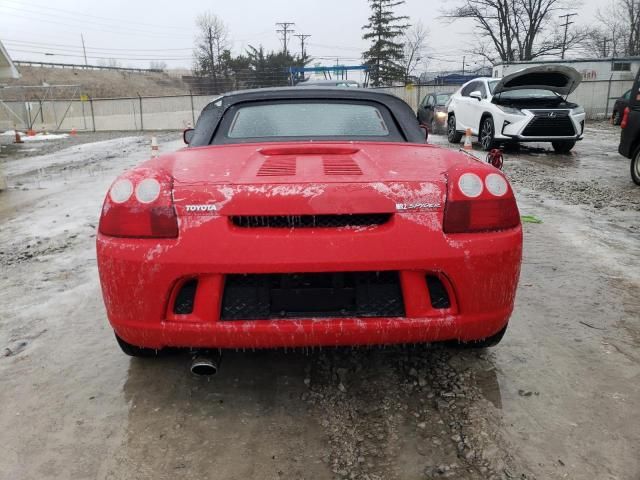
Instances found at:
x=407 y=412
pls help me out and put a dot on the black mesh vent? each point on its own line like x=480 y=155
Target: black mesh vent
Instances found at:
x=185 y=298
x=438 y=293
x=310 y=221
x=312 y=295
x=550 y=123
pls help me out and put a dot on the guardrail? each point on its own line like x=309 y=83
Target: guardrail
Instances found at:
x=30 y=63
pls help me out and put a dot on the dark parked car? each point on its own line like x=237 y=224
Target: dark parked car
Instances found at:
x=630 y=135
x=432 y=111
x=622 y=102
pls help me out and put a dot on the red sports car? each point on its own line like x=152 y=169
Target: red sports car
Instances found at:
x=308 y=216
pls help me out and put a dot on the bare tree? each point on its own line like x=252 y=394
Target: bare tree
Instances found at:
x=211 y=44
x=617 y=30
x=414 y=51
x=516 y=29
x=158 y=65
x=110 y=62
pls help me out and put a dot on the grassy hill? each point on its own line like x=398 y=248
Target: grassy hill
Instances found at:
x=95 y=83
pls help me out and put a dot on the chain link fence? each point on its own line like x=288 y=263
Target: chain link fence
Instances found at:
x=138 y=113
x=176 y=112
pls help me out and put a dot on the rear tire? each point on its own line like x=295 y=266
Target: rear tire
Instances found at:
x=616 y=118
x=452 y=134
x=635 y=167
x=563 y=146
x=134 y=351
x=487 y=134
x=491 y=341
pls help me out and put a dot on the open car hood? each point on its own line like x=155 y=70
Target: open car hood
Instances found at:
x=555 y=78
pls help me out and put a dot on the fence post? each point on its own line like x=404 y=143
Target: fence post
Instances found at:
x=93 y=117
x=193 y=114
x=606 y=108
x=141 y=119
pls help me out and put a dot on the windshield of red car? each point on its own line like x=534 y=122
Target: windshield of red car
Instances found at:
x=307 y=120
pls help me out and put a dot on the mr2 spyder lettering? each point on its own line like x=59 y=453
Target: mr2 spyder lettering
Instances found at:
x=415 y=206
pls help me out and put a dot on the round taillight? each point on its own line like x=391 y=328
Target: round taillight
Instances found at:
x=470 y=184
x=121 y=191
x=148 y=190
x=496 y=184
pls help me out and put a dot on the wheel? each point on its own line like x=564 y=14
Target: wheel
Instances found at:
x=563 y=146
x=616 y=118
x=487 y=133
x=491 y=341
x=452 y=133
x=635 y=167
x=134 y=351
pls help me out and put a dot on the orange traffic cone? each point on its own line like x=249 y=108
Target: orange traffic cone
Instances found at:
x=467 y=140
x=18 y=139
x=73 y=132
x=155 y=150
x=31 y=132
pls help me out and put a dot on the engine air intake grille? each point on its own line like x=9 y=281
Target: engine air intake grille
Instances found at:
x=278 y=166
x=310 y=221
x=550 y=123
x=340 y=166
x=312 y=295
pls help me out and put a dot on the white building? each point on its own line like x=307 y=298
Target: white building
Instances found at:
x=592 y=69
x=7 y=70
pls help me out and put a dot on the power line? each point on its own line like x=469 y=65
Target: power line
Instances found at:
x=285 y=31
x=111 y=49
x=127 y=31
x=67 y=13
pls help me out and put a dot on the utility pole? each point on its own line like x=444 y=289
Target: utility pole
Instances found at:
x=302 y=38
x=566 y=29
x=605 y=51
x=84 y=50
x=303 y=54
x=464 y=57
x=285 y=31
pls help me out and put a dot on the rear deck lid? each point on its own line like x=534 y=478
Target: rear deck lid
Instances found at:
x=559 y=79
x=310 y=178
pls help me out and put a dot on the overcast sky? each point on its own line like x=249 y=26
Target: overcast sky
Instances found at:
x=136 y=32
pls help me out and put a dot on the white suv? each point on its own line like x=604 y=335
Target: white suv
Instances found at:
x=526 y=106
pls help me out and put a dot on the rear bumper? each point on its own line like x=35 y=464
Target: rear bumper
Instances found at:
x=310 y=332
x=140 y=279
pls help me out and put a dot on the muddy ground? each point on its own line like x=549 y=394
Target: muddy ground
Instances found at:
x=558 y=398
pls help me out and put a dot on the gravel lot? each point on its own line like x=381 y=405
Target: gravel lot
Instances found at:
x=558 y=398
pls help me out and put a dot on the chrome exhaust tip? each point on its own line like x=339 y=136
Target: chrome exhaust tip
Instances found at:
x=205 y=365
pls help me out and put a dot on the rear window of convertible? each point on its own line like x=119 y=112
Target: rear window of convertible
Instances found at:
x=302 y=120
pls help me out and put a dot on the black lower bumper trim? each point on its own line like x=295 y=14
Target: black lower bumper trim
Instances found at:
x=312 y=295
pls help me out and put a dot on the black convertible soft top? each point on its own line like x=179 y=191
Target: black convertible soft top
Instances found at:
x=211 y=115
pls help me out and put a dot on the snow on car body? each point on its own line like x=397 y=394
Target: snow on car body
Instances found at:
x=526 y=106
x=301 y=217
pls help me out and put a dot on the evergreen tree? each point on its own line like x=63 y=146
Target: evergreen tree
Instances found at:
x=385 y=30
